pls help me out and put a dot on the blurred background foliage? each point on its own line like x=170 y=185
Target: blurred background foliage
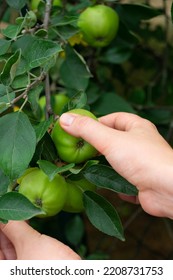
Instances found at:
x=133 y=74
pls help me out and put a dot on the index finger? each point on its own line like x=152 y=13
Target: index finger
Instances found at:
x=124 y=121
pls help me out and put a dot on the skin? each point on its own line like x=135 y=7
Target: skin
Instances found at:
x=17 y=240
x=135 y=149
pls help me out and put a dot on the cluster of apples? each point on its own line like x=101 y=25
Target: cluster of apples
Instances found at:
x=60 y=193
x=53 y=196
x=98 y=25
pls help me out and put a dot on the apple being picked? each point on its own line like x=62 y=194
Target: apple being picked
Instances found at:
x=72 y=149
x=99 y=25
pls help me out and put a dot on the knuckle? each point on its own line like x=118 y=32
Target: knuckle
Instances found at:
x=149 y=124
x=82 y=121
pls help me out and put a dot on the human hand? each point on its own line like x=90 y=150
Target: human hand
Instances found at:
x=18 y=240
x=136 y=150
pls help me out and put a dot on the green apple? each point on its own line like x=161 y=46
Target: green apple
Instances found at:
x=74 y=199
x=35 y=3
x=99 y=25
x=70 y=148
x=57 y=3
x=58 y=101
x=50 y=196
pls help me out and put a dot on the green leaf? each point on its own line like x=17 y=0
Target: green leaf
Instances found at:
x=4 y=183
x=9 y=71
x=117 y=55
x=4 y=46
x=22 y=67
x=51 y=169
x=15 y=206
x=20 y=81
x=42 y=128
x=126 y=35
x=5 y=101
x=110 y=102
x=3 y=106
x=17 y=4
x=74 y=230
x=12 y=30
x=103 y=215
x=3 y=90
x=79 y=169
x=17 y=143
x=79 y=5
x=49 y=63
x=7 y=98
x=79 y=100
x=74 y=71
x=45 y=149
x=41 y=33
x=92 y=92
x=28 y=21
x=37 y=51
x=62 y=20
x=106 y=177
x=67 y=31
x=33 y=98
x=132 y=14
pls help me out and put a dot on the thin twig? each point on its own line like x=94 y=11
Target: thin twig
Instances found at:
x=28 y=88
x=48 y=97
x=47 y=85
x=47 y=14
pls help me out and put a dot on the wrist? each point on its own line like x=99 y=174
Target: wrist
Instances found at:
x=159 y=194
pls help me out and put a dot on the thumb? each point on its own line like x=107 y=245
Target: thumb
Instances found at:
x=18 y=232
x=92 y=131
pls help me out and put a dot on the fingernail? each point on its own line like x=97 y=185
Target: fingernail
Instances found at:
x=67 y=119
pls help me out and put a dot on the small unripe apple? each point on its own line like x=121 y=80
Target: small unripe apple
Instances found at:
x=58 y=101
x=74 y=199
x=99 y=25
x=35 y=3
x=48 y=195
